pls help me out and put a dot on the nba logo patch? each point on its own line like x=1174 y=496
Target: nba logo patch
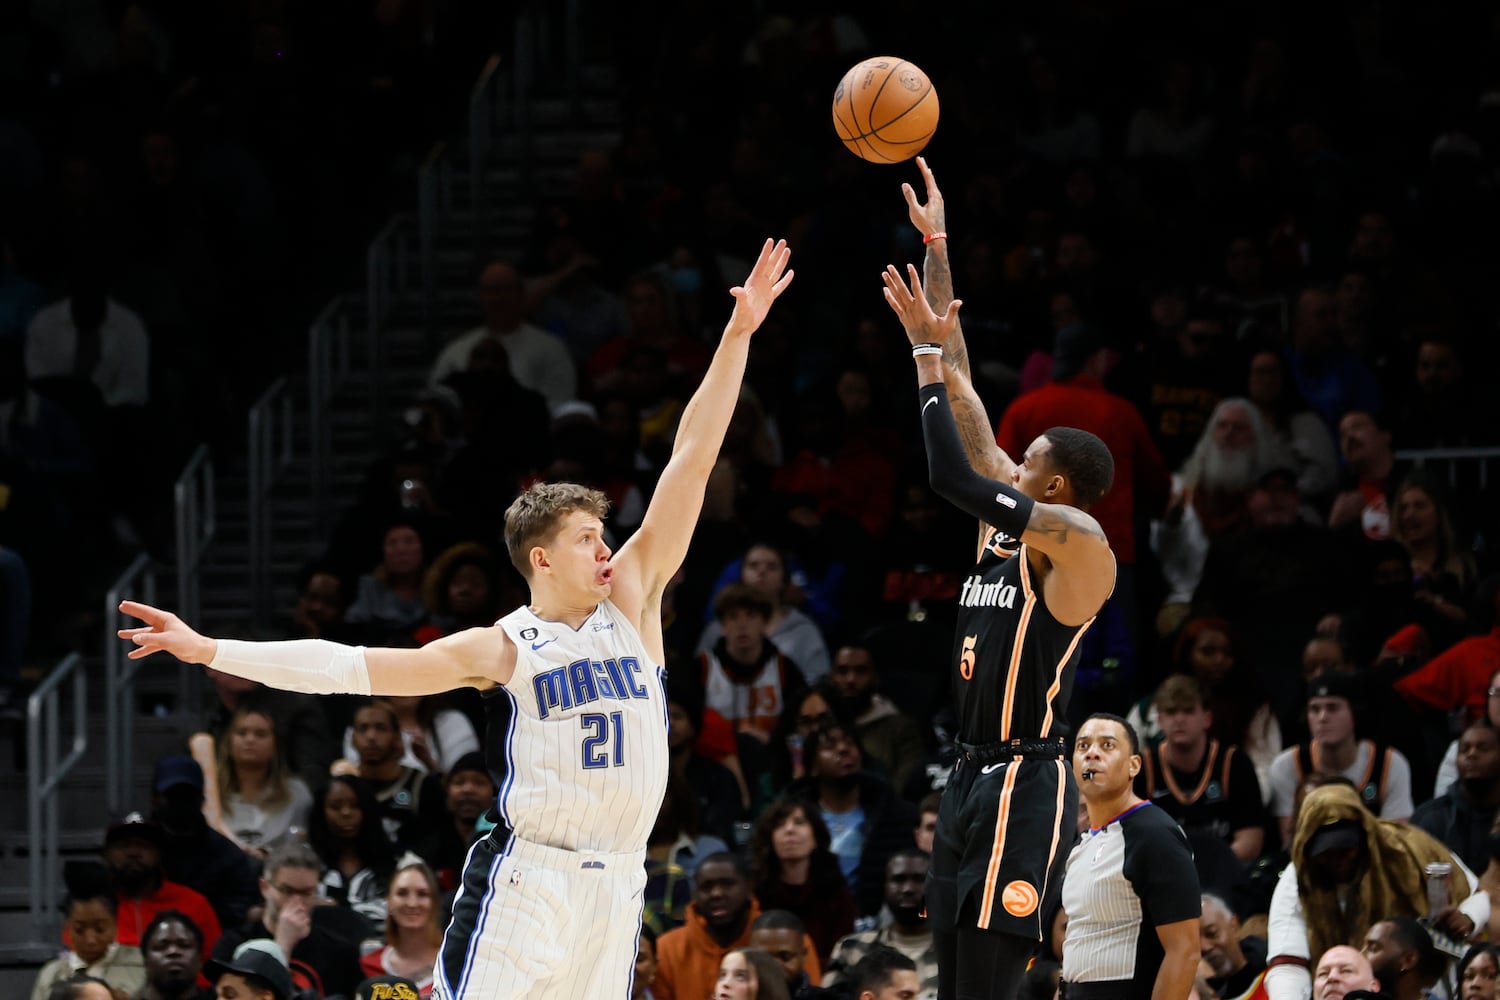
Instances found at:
x=515 y=876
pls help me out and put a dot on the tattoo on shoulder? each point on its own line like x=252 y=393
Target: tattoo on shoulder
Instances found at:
x=1059 y=522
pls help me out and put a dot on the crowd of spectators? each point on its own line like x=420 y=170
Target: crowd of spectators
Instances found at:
x=1248 y=245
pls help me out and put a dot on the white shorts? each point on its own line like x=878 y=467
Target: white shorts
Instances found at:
x=537 y=921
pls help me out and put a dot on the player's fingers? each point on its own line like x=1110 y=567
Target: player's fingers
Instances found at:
x=916 y=281
x=144 y=612
x=911 y=198
x=951 y=315
x=897 y=285
x=780 y=286
x=927 y=175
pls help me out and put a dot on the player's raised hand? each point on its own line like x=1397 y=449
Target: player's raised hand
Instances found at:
x=931 y=217
x=765 y=283
x=922 y=325
x=164 y=632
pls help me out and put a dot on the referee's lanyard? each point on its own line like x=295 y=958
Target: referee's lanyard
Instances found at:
x=1115 y=819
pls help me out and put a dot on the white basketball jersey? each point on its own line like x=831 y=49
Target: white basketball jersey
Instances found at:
x=578 y=738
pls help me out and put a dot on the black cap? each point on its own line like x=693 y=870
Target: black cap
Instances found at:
x=1334 y=684
x=176 y=769
x=257 y=966
x=1340 y=835
x=471 y=761
x=1278 y=473
x=386 y=988
x=134 y=825
x=1072 y=347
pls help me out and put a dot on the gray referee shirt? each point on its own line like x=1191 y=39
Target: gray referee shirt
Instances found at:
x=1124 y=880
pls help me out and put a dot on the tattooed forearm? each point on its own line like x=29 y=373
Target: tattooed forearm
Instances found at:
x=937 y=281
x=1059 y=522
x=975 y=433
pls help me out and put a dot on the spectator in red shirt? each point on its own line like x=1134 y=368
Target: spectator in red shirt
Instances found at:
x=132 y=853
x=1076 y=397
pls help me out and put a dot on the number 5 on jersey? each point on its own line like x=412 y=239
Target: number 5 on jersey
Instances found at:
x=966 y=657
x=598 y=747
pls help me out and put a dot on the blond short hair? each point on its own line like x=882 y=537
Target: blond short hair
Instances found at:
x=534 y=516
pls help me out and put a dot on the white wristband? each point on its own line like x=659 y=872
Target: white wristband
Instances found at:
x=310 y=666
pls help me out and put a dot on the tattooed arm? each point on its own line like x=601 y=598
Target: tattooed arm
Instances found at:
x=974 y=427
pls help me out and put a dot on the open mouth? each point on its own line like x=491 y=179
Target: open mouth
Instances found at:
x=605 y=576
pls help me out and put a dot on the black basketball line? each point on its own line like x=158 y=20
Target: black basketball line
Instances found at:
x=914 y=105
x=853 y=115
x=843 y=126
x=876 y=99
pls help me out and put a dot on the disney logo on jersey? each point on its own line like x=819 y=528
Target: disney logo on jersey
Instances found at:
x=604 y=626
x=978 y=594
x=584 y=682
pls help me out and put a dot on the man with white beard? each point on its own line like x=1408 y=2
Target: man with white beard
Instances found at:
x=1209 y=497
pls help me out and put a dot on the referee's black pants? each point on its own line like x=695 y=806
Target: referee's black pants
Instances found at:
x=976 y=964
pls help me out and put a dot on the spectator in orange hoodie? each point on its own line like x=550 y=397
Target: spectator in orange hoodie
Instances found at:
x=718 y=921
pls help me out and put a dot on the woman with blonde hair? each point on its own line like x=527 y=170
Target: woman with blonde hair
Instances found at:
x=413 y=926
x=260 y=799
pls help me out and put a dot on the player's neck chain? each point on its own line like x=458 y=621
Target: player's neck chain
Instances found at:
x=1208 y=773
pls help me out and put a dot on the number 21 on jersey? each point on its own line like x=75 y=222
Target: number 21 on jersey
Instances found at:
x=603 y=739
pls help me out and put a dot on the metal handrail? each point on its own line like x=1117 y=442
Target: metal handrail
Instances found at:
x=270 y=418
x=197 y=523
x=137 y=583
x=1454 y=457
x=434 y=203
x=328 y=368
x=483 y=103
x=45 y=771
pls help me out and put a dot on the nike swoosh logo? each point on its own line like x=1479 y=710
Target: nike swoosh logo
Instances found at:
x=988 y=768
x=930 y=401
x=538 y=645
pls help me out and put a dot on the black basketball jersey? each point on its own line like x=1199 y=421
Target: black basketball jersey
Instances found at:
x=1013 y=662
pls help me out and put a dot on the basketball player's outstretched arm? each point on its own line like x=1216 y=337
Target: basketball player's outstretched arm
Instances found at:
x=1083 y=566
x=656 y=550
x=476 y=657
x=974 y=427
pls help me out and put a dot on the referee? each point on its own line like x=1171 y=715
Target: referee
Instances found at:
x=1131 y=891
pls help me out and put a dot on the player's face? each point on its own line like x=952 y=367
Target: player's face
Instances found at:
x=409 y=900
x=786 y=946
x=904 y=985
x=721 y=894
x=1330 y=720
x=578 y=557
x=736 y=979
x=1034 y=474
x=1102 y=759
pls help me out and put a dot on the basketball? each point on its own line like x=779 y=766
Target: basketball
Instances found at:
x=885 y=110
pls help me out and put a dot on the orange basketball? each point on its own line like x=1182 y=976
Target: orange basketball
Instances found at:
x=885 y=110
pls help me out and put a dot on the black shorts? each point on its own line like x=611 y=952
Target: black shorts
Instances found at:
x=1004 y=832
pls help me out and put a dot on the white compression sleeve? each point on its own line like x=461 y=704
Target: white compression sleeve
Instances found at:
x=311 y=666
